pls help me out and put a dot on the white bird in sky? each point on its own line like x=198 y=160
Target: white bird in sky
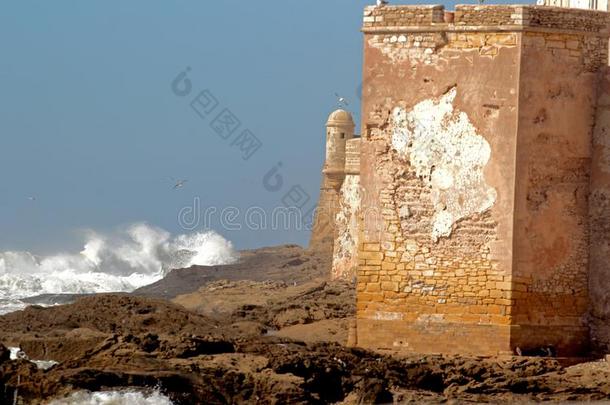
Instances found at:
x=381 y=3
x=342 y=100
x=32 y=198
x=179 y=184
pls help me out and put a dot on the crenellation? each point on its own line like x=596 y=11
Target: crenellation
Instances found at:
x=490 y=15
x=391 y=16
x=484 y=18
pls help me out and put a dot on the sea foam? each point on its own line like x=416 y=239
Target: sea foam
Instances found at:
x=125 y=260
x=114 y=398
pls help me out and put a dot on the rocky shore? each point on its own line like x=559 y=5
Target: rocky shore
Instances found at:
x=269 y=329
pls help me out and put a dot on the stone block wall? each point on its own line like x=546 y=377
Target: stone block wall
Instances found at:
x=345 y=253
x=599 y=209
x=402 y=15
x=552 y=228
x=324 y=229
x=568 y=19
x=488 y=17
x=352 y=156
x=475 y=169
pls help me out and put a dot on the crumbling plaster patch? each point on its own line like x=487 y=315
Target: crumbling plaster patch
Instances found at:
x=344 y=260
x=443 y=147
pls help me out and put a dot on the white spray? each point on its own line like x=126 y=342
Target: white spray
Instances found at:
x=120 y=262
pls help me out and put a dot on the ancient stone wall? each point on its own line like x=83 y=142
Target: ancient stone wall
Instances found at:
x=402 y=15
x=323 y=231
x=475 y=166
x=440 y=126
x=352 y=156
x=485 y=18
x=568 y=19
x=531 y=17
x=338 y=202
x=489 y=15
x=556 y=109
x=345 y=256
x=599 y=205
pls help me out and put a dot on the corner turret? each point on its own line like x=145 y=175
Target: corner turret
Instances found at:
x=339 y=129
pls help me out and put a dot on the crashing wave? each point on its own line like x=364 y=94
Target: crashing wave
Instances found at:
x=114 y=398
x=121 y=262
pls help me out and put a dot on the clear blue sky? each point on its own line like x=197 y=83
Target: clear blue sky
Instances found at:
x=91 y=128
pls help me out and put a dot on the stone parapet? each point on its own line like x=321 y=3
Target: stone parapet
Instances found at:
x=485 y=17
x=567 y=19
x=392 y=16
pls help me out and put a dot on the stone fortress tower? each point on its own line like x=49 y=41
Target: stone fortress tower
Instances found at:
x=335 y=226
x=478 y=218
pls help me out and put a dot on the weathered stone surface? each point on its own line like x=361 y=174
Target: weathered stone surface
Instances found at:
x=336 y=212
x=480 y=191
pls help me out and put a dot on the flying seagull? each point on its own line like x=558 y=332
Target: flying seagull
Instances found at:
x=179 y=184
x=342 y=100
x=32 y=198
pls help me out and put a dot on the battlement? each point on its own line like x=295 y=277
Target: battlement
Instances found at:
x=411 y=18
x=392 y=16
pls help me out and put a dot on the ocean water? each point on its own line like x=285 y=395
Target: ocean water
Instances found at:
x=123 y=261
x=17 y=353
x=114 y=398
